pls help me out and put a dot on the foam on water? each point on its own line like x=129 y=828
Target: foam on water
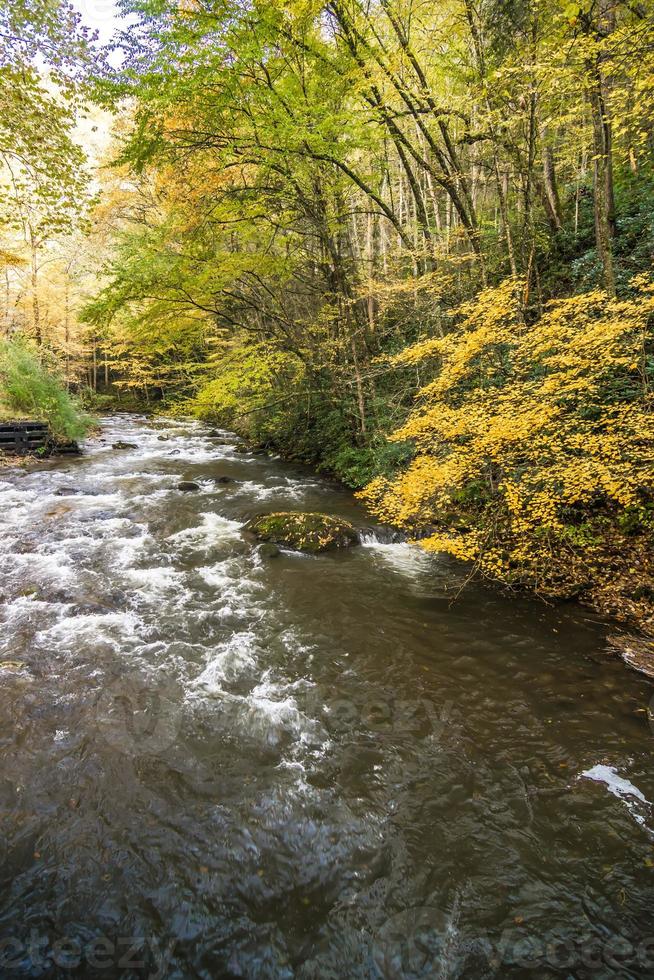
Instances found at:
x=40 y=568
x=234 y=593
x=621 y=788
x=213 y=529
x=407 y=559
x=119 y=630
x=229 y=661
x=160 y=582
x=290 y=490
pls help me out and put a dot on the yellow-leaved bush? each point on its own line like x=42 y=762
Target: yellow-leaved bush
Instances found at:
x=530 y=438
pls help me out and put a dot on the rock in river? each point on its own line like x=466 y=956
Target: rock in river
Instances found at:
x=303 y=532
x=268 y=550
x=124 y=445
x=186 y=486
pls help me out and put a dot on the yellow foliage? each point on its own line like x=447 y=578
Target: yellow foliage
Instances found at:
x=525 y=430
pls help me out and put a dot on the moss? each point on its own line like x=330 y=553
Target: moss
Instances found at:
x=303 y=532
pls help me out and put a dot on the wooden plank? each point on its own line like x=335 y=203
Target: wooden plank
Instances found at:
x=23 y=436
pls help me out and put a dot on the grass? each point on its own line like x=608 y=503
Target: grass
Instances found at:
x=31 y=388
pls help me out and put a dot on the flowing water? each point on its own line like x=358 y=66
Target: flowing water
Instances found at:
x=216 y=764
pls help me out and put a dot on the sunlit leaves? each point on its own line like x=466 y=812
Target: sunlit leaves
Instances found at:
x=522 y=424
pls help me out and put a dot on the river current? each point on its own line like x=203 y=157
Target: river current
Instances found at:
x=217 y=764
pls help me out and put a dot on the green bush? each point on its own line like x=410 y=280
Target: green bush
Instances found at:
x=30 y=387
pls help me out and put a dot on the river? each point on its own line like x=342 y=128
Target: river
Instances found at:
x=216 y=764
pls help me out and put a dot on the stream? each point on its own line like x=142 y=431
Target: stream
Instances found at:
x=217 y=764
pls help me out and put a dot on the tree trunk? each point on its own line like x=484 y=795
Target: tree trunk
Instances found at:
x=34 y=277
x=604 y=199
x=67 y=328
x=551 y=198
x=603 y=187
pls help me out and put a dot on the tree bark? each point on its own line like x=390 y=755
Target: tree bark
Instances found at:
x=603 y=192
x=34 y=277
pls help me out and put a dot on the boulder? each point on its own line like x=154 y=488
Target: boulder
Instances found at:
x=58 y=510
x=188 y=486
x=303 y=532
x=268 y=550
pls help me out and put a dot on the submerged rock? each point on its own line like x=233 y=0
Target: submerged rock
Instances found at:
x=381 y=534
x=77 y=491
x=187 y=486
x=269 y=550
x=58 y=510
x=124 y=445
x=303 y=532
x=222 y=479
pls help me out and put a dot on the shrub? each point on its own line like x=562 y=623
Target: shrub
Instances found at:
x=527 y=436
x=30 y=387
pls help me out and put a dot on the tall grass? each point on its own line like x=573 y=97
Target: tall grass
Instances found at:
x=30 y=386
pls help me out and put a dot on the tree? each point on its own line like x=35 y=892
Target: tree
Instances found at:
x=43 y=189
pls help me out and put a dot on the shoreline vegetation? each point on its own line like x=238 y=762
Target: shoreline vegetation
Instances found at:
x=31 y=388
x=410 y=245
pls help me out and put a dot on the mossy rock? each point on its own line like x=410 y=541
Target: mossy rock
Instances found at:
x=304 y=532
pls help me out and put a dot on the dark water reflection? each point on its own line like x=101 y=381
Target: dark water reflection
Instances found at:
x=218 y=765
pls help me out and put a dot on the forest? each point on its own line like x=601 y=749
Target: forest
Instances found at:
x=408 y=243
